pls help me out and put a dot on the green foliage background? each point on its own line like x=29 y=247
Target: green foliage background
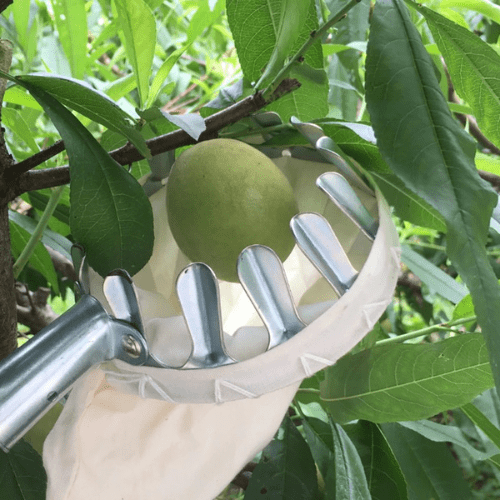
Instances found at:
x=413 y=412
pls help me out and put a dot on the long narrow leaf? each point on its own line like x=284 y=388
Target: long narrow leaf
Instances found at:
x=346 y=477
x=286 y=471
x=430 y=470
x=139 y=29
x=39 y=259
x=474 y=69
x=397 y=382
x=433 y=276
x=482 y=422
x=71 y=22
x=382 y=470
x=424 y=146
x=441 y=433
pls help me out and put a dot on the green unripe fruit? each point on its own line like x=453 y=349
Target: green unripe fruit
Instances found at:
x=224 y=195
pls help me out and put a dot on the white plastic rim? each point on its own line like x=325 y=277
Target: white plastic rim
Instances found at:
x=326 y=339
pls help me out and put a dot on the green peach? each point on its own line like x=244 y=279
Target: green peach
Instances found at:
x=224 y=195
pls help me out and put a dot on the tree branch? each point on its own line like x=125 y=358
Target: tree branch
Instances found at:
x=21 y=181
x=8 y=317
x=32 y=308
x=4 y=4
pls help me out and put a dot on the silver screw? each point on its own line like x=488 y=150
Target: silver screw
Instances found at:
x=131 y=346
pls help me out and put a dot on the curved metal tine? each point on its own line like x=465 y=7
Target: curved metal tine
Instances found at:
x=310 y=131
x=198 y=292
x=344 y=196
x=262 y=275
x=317 y=240
x=119 y=291
x=326 y=147
x=81 y=267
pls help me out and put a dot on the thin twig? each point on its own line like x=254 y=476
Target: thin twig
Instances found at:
x=34 y=160
x=425 y=331
x=315 y=35
x=50 y=177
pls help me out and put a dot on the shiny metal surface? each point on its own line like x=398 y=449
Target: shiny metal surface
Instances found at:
x=326 y=147
x=343 y=195
x=39 y=373
x=120 y=293
x=317 y=240
x=262 y=275
x=198 y=292
x=81 y=269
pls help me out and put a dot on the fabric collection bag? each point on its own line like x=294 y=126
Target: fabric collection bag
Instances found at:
x=143 y=433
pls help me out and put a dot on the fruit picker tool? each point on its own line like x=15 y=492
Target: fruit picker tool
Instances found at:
x=42 y=371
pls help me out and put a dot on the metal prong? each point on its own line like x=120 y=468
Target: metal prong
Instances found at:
x=81 y=268
x=261 y=273
x=120 y=293
x=317 y=240
x=310 y=131
x=198 y=293
x=326 y=147
x=343 y=195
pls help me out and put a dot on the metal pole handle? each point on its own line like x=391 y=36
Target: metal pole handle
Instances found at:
x=35 y=376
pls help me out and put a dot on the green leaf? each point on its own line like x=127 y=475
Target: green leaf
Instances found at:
x=139 y=30
x=344 y=67
x=50 y=238
x=110 y=214
x=382 y=471
x=40 y=258
x=204 y=17
x=71 y=22
x=474 y=69
x=255 y=43
x=346 y=477
x=286 y=31
x=17 y=95
x=162 y=74
x=13 y=120
x=307 y=102
x=433 y=276
x=286 y=470
x=441 y=433
x=91 y=103
x=21 y=16
x=429 y=468
x=464 y=309
x=424 y=145
x=408 y=205
x=22 y=475
x=482 y=422
x=396 y=382
x=489 y=9
x=121 y=87
x=490 y=163
x=39 y=200
x=319 y=438
x=358 y=141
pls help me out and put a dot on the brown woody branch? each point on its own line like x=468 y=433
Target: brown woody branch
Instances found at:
x=33 y=310
x=4 y=4
x=19 y=180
